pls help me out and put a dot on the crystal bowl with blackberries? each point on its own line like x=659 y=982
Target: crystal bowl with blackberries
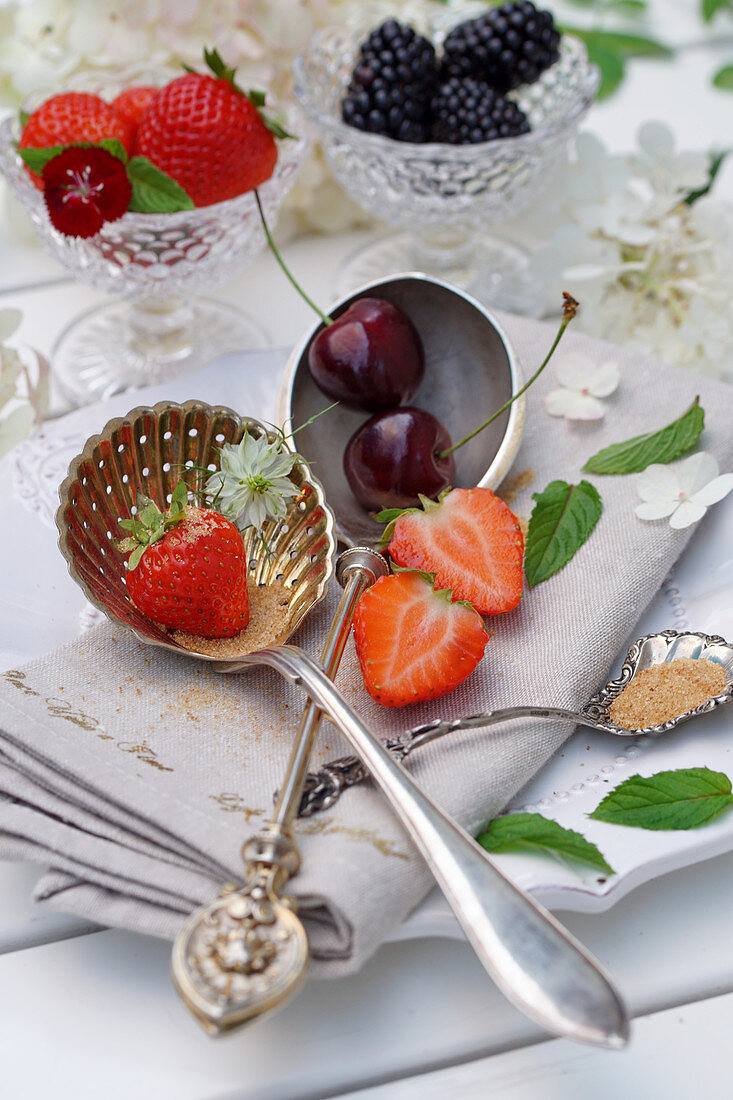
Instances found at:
x=446 y=130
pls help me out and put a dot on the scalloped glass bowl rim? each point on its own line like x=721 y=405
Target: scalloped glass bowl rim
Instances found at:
x=246 y=200
x=431 y=149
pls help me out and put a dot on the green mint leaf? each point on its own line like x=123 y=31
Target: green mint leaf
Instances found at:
x=665 y=445
x=113 y=146
x=710 y=8
x=723 y=79
x=561 y=521
x=682 y=799
x=628 y=7
x=624 y=45
x=153 y=191
x=716 y=163
x=37 y=159
x=612 y=67
x=535 y=833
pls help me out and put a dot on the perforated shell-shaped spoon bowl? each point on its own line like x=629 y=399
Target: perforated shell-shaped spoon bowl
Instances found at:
x=148 y=451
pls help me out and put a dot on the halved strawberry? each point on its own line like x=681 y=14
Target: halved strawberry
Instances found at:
x=413 y=642
x=471 y=541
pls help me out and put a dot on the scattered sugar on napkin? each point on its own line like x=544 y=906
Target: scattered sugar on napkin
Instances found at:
x=134 y=776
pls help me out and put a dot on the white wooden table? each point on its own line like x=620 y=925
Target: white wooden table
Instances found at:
x=92 y=1013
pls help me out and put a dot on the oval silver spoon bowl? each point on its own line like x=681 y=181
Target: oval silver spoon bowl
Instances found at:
x=471 y=369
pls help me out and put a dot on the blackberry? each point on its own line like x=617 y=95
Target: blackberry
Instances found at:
x=392 y=83
x=508 y=46
x=466 y=111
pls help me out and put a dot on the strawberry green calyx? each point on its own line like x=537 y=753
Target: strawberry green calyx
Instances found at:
x=150 y=524
x=219 y=69
x=445 y=594
x=391 y=515
x=274 y=123
x=429 y=578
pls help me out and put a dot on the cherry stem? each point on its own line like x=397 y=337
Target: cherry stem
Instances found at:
x=570 y=308
x=276 y=253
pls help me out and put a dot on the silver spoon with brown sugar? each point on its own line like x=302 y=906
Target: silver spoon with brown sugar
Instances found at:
x=666 y=679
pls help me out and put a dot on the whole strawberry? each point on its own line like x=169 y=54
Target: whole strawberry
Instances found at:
x=206 y=134
x=187 y=569
x=134 y=102
x=72 y=117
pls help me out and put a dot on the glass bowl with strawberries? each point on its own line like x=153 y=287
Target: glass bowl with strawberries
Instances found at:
x=142 y=183
x=446 y=133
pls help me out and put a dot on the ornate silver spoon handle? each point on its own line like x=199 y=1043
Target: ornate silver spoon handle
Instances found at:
x=247 y=952
x=324 y=787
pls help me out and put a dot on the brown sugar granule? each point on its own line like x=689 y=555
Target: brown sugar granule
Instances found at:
x=510 y=489
x=268 y=625
x=665 y=691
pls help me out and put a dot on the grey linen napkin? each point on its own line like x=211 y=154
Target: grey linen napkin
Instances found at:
x=135 y=776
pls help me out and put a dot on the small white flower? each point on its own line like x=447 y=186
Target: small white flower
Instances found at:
x=683 y=493
x=252 y=484
x=583 y=383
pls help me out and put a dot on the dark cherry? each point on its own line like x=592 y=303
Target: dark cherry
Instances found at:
x=394 y=456
x=370 y=358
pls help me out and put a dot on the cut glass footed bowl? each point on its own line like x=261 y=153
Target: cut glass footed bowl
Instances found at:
x=444 y=197
x=158 y=263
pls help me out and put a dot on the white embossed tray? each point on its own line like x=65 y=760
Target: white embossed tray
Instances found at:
x=40 y=608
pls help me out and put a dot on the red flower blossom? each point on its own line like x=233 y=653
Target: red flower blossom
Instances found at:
x=84 y=188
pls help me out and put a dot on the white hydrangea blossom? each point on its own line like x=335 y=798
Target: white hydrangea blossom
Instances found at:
x=649 y=270
x=583 y=383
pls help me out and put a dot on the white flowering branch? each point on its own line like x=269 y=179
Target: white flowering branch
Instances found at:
x=23 y=391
